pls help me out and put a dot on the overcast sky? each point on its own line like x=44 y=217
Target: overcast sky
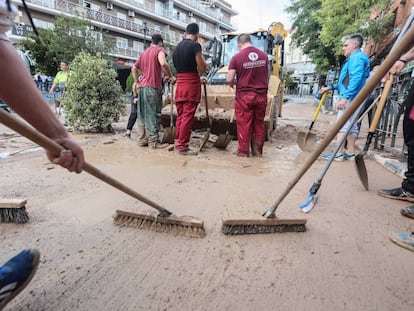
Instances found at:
x=254 y=14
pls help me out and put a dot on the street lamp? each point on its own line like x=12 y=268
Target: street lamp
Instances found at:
x=144 y=28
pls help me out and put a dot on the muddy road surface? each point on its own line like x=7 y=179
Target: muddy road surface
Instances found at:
x=344 y=261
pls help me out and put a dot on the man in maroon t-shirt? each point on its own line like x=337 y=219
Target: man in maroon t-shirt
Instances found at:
x=151 y=63
x=251 y=66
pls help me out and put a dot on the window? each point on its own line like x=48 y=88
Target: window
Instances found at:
x=138 y=46
x=91 y=6
x=121 y=43
x=43 y=24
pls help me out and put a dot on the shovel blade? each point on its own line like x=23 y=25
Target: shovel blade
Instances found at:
x=169 y=135
x=223 y=141
x=306 y=141
x=361 y=170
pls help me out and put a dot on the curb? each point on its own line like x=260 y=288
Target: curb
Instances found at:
x=395 y=166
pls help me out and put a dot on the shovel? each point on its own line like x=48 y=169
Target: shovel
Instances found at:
x=359 y=158
x=169 y=132
x=207 y=136
x=224 y=139
x=307 y=140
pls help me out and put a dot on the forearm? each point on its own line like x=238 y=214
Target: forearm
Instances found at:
x=30 y=103
x=408 y=56
x=134 y=71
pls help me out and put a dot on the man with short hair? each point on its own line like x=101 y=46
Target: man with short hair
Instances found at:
x=152 y=63
x=251 y=66
x=187 y=58
x=354 y=73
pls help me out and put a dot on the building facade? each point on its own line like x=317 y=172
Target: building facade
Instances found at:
x=131 y=22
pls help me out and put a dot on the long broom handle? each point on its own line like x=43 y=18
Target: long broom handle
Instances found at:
x=47 y=143
x=397 y=50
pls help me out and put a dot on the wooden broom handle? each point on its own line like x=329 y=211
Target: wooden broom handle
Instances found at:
x=27 y=131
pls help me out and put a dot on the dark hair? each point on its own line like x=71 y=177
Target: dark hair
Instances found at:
x=65 y=62
x=192 y=29
x=244 y=38
x=156 y=38
x=358 y=38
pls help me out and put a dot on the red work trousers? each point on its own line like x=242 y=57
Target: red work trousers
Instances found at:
x=250 y=110
x=184 y=124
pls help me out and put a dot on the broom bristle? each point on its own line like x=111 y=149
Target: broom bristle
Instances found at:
x=185 y=225
x=14 y=215
x=273 y=225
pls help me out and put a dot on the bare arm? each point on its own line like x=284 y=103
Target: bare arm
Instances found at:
x=201 y=62
x=230 y=77
x=33 y=108
x=400 y=63
x=163 y=62
x=134 y=71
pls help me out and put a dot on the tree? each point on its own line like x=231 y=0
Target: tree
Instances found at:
x=307 y=33
x=94 y=97
x=320 y=24
x=339 y=18
x=70 y=36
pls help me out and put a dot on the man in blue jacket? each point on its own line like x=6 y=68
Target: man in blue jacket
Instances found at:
x=354 y=73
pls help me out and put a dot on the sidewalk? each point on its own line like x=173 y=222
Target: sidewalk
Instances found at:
x=304 y=114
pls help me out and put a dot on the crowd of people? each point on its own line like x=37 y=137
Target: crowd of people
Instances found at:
x=248 y=71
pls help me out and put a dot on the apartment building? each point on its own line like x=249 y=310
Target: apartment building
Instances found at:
x=131 y=22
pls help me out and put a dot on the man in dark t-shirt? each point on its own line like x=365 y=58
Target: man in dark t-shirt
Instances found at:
x=187 y=58
x=251 y=66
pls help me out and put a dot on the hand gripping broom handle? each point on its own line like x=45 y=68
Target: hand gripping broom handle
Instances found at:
x=45 y=142
x=397 y=50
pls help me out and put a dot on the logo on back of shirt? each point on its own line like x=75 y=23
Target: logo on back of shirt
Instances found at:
x=253 y=56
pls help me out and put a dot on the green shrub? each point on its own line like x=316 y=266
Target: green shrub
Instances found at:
x=94 y=98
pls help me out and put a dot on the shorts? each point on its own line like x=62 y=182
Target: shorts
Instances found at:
x=349 y=123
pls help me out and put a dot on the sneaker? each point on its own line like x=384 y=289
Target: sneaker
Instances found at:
x=338 y=157
x=404 y=239
x=127 y=135
x=408 y=211
x=397 y=194
x=349 y=156
x=16 y=274
x=188 y=152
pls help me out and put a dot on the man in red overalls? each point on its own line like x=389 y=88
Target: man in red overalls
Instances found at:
x=251 y=66
x=187 y=57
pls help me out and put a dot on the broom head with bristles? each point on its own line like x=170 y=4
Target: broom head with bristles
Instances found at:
x=13 y=211
x=259 y=226
x=183 y=225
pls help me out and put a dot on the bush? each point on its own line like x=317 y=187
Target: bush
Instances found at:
x=94 y=97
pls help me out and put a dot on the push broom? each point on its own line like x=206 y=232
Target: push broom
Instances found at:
x=163 y=222
x=272 y=224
